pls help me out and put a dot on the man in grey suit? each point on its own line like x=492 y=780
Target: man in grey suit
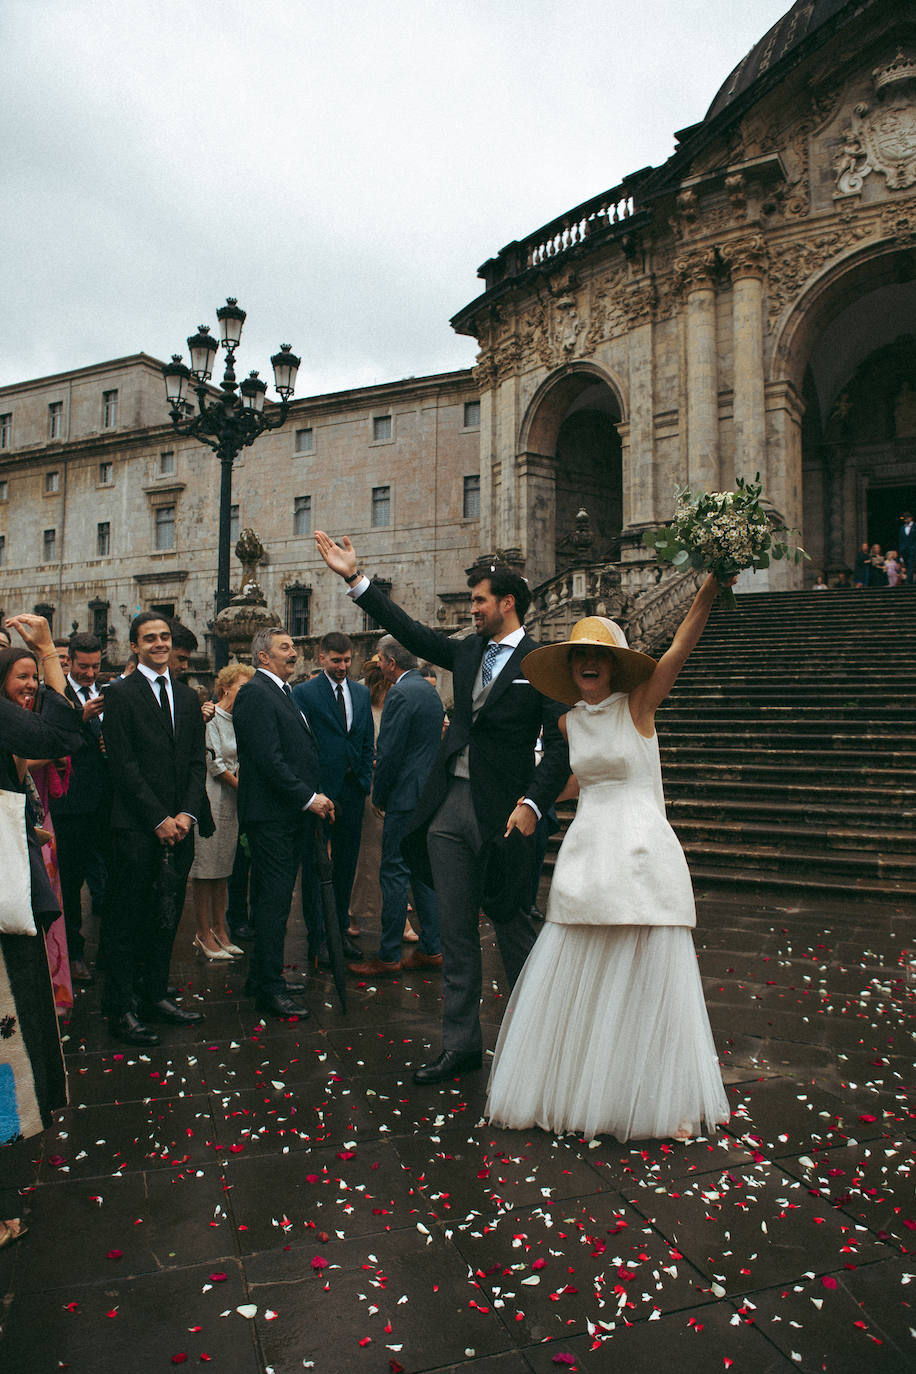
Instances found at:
x=408 y=741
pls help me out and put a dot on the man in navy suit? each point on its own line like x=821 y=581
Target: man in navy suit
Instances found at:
x=483 y=786
x=154 y=742
x=82 y=816
x=340 y=714
x=408 y=741
x=279 y=794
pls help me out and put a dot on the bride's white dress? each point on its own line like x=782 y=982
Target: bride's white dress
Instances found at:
x=606 y=1031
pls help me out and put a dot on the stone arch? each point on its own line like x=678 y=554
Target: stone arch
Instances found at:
x=569 y=457
x=848 y=349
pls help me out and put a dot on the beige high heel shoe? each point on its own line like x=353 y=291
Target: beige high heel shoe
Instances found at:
x=232 y=950
x=210 y=954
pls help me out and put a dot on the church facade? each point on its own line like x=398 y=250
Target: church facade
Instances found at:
x=749 y=306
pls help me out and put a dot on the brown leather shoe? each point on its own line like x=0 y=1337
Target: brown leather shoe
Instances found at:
x=417 y=959
x=374 y=968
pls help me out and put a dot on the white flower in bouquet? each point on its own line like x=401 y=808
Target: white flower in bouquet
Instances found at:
x=722 y=532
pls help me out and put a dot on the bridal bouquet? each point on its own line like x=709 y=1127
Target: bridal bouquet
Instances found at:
x=722 y=532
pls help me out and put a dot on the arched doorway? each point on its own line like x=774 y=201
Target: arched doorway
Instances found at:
x=858 y=431
x=572 y=461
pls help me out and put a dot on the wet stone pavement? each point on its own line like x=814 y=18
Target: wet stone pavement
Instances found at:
x=255 y=1196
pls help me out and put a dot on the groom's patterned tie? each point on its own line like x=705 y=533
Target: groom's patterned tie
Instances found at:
x=489 y=662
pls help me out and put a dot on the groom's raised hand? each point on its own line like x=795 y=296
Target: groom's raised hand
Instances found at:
x=339 y=558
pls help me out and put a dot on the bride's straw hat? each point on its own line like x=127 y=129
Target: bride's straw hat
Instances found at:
x=548 y=668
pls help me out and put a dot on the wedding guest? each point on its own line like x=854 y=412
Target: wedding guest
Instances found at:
x=214 y=856
x=893 y=568
x=31 y=1060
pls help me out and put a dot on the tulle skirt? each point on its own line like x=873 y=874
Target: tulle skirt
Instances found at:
x=606 y=1033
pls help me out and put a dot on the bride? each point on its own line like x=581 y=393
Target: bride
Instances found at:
x=606 y=1031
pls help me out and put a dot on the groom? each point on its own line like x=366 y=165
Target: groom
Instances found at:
x=483 y=785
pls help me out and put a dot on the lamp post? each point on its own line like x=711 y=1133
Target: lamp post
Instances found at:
x=229 y=422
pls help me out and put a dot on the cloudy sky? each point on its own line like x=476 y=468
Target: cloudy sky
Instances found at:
x=341 y=169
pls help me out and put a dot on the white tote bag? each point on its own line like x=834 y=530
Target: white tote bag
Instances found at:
x=16 y=881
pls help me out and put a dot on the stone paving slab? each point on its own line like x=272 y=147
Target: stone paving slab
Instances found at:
x=293 y=1170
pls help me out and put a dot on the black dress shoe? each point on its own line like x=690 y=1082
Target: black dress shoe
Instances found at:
x=292 y=988
x=450 y=1064
x=133 y=1032
x=351 y=950
x=80 y=972
x=281 y=1006
x=166 y=1010
x=244 y=930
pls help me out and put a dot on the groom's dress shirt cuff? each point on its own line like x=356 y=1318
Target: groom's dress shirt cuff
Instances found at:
x=361 y=586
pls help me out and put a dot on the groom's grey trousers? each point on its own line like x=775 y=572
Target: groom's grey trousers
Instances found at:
x=453 y=842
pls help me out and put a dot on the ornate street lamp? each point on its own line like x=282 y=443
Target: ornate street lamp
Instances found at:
x=229 y=422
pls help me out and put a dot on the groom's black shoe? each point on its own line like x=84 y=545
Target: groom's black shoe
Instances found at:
x=450 y=1064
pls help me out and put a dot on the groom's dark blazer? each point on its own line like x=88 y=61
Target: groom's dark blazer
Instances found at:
x=501 y=740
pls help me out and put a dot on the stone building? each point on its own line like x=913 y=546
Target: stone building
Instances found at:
x=104 y=510
x=746 y=307
x=749 y=306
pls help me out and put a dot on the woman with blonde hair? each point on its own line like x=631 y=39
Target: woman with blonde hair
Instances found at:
x=214 y=857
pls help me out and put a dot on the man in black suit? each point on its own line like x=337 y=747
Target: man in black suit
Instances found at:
x=340 y=714
x=154 y=741
x=408 y=741
x=483 y=786
x=278 y=798
x=82 y=816
x=906 y=544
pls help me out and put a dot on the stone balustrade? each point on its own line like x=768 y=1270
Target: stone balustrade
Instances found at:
x=648 y=610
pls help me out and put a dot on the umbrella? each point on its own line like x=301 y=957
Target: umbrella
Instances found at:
x=168 y=891
x=328 y=910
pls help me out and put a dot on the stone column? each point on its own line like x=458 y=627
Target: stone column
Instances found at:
x=697 y=276
x=639 y=434
x=747 y=259
x=784 y=410
x=537 y=498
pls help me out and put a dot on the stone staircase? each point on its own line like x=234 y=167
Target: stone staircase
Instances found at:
x=789 y=746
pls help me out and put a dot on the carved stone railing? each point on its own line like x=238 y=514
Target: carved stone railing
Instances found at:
x=613 y=208
x=648 y=611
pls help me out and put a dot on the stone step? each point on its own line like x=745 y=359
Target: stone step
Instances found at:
x=773 y=858
x=865 y=771
x=685 y=784
x=899 y=810
x=758 y=881
x=792 y=834
x=795 y=742
x=833 y=718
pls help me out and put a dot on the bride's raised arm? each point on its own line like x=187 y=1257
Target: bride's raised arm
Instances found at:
x=649 y=695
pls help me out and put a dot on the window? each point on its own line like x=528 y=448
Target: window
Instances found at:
x=164 y=608
x=471 y=506
x=109 y=409
x=381 y=506
x=298 y=598
x=106 y=474
x=166 y=464
x=103 y=539
x=165 y=528
x=305 y=440
x=2 y=550
x=55 y=419
x=383 y=586
x=49 y=543
x=233 y=524
x=302 y=515
x=6 y=429
x=4 y=491
x=52 y=483
x=472 y=414
x=381 y=428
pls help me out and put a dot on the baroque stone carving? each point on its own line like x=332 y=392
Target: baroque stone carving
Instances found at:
x=899 y=222
x=696 y=270
x=745 y=257
x=882 y=137
x=796 y=262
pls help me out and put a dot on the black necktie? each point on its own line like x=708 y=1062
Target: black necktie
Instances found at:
x=342 y=707
x=287 y=691
x=164 y=701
